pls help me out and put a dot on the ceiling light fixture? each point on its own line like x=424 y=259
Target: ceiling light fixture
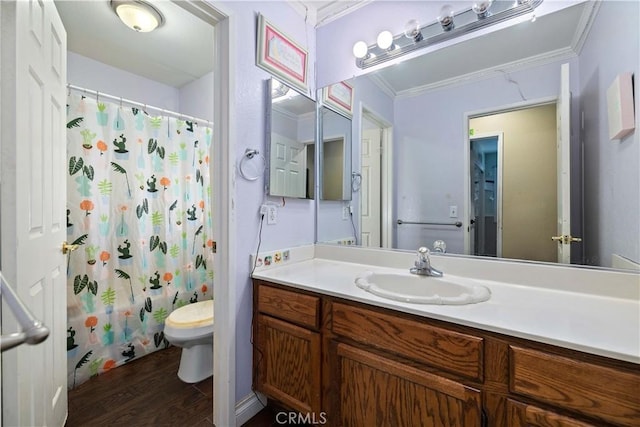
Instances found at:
x=138 y=15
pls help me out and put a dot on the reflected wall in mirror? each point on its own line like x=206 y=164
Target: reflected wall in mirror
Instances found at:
x=291 y=131
x=430 y=102
x=336 y=155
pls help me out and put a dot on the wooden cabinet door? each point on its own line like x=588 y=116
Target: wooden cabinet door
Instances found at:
x=287 y=359
x=525 y=415
x=375 y=391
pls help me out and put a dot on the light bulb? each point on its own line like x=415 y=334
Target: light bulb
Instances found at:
x=481 y=8
x=412 y=30
x=385 y=40
x=446 y=17
x=360 y=49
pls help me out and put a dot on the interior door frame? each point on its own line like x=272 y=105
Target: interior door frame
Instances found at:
x=386 y=174
x=522 y=105
x=499 y=135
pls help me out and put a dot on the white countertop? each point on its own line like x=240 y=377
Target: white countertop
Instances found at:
x=584 y=321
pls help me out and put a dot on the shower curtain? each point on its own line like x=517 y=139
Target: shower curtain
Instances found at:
x=139 y=209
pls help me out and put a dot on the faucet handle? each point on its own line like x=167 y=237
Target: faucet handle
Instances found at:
x=423 y=250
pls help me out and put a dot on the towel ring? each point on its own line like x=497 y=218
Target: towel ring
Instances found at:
x=249 y=154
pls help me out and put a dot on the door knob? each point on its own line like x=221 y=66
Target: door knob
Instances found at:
x=566 y=239
x=66 y=247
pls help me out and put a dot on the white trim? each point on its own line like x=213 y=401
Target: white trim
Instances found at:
x=224 y=350
x=248 y=407
x=467 y=156
x=386 y=173
x=327 y=11
x=387 y=197
x=584 y=25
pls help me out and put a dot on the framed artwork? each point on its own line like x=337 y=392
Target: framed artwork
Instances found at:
x=339 y=96
x=281 y=56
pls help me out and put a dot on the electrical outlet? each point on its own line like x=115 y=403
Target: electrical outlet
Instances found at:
x=272 y=214
x=346 y=210
x=263 y=209
x=453 y=212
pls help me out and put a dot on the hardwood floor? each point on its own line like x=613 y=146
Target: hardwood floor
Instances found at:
x=144 y=392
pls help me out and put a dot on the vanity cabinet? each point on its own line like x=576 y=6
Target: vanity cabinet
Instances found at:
x=380 y=391
x=362 y=365
x=287 y=350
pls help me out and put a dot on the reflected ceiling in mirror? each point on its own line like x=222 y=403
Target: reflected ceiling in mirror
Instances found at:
x=291 y=131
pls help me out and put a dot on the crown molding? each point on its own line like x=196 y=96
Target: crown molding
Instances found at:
x=318 y=13
x=584 y=25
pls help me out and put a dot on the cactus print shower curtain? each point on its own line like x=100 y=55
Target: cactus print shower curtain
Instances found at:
x=139 y=209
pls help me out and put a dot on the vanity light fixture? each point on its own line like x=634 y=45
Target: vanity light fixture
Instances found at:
x=412 y=31
x=446 y=17
x=138 y=15
x=481 y=8
x=448 y=25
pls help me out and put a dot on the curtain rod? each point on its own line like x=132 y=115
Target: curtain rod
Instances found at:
x=139 y=104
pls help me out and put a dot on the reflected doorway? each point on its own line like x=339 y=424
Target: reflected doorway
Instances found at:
x=486 y=192
x=526 y=174
x=374 y=183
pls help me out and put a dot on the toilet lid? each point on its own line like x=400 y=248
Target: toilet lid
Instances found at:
x=188 y=316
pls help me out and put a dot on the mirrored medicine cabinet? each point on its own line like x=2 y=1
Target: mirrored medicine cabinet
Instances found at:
x=291 y=150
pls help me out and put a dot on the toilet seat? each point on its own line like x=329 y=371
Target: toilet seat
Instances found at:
x=196 y=315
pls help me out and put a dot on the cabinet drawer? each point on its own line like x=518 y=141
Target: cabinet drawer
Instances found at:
x=452 y=351
x=606 y=393
x=287 y=305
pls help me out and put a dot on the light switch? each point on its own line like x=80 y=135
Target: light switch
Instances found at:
x=453 y=211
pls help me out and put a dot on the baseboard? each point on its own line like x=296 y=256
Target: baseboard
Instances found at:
x=248 y=407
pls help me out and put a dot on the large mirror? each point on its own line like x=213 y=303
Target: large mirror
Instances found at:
x=465 y=147
x=291 y=134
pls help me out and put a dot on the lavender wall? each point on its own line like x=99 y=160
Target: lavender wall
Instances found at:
x=94 y=75
x=611 y=168
x=296 y=219
x=192 y=101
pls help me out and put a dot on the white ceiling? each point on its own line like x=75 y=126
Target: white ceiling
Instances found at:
x=178 y=52
x=182 y=49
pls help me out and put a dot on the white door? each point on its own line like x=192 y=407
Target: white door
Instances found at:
x=33 y=211
x=288 y=167
x=563 y=112
x=370 y=194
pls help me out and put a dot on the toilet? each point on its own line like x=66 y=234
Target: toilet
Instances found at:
x=191 y=327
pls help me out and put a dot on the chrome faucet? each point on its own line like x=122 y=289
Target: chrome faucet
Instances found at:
x=423 y=265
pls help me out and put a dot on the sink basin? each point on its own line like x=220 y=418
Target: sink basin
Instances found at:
x=407 y=287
